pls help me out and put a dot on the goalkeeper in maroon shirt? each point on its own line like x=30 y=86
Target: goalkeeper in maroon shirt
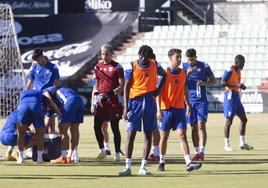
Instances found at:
x=108 y=90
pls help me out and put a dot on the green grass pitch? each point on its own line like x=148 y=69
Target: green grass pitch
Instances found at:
x=245 y=169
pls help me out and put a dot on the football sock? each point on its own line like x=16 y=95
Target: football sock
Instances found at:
x=226 y=142
x=128 y=163
x=106 y=146
x=187 y=159
x=69 y=154
x=242 y=140
x=10 y=148
x=155 y=151
x=202 y=149
x=63 y=153
x=196 y=150
x=143 y=163
x=40 y=155
x=162 y=159
x=21 y=155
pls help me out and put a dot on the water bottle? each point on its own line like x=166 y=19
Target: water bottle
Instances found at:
x=198 y=91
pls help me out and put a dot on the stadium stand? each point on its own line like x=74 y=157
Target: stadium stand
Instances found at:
x=215 y=44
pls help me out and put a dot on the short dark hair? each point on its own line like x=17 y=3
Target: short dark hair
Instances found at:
x=191 y=52
x=37 y=53
x=146 y=52
x=173 y=51
x=239 y=59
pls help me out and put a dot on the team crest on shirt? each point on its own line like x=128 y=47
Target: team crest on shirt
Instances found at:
x=198 y=69
x=48 y=71
x=111 y=69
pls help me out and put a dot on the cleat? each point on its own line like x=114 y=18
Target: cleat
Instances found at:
x=101 y=156
x=228 y=148
x=198 y=156
x=117 y=158
x=193 y=166
x=59 y=160
x=108 y=152
x=15 y=155
x=161 y=167
x=9 y=157
x=125 y=172
x=68 y=160
x=39 y=161
x=246 y=147
x=153 y=158
x=20 y=161
x=144 y=172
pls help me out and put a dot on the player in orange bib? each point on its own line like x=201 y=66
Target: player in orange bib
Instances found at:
x=139 y=99
x=171 y=110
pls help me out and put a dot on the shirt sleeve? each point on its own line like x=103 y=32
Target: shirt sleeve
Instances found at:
x=49 y=89
x=160 y=70
x=227 y=75
x=129 y=71
x=208 y=70
x=31 y=72
x=56 y=72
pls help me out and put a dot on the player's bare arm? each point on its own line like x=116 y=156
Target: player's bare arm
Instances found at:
x=126 y=97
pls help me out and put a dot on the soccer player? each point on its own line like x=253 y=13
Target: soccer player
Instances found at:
x=109 y=85
x=30 y=110
x=139 y=101
x=8 y=136
x=232 y=104
x=43 y=74
x=72 y=114
x=199 y=75
x=171 y=110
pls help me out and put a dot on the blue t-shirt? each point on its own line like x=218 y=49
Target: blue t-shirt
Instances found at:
x=129 y=69
x=10 y=125
x=227 y=74
x=43 y=76
x=202 y=71
x=61 y=94
x=31 y=96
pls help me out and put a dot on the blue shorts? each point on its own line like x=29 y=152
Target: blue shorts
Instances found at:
x=199 y=112
x=29 y=113
x=8 y=139
x=232 y=105
x=73 y=111
x=142 y=109
x=172 y=118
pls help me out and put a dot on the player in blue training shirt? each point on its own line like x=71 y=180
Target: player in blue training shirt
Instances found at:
x=232 y=103
x=199 y=75
x=72 y=114
x=8 y=135
x=43 y=74
x=31 y=110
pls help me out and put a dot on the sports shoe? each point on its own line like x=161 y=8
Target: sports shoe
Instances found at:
x=193 y=166
x=228 y=148
x=101 y=156
x=198 y=156
x=152 y=157
x=20 y=161
x=15 y=155
x=125 y=172
x=40 y=161
x=68 y=160
x=108 y=152
x=144 y=172
x=246 y=147
x=117 y=158
x=9 y=157
x=161 y=167
x=28 y=153
x=59 y=160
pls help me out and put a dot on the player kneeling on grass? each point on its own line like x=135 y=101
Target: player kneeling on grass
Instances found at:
x=72 y=114
x=30 y=110
x=171 y=110
x=8 y=137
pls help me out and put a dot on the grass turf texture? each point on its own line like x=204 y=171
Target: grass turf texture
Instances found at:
x=236 y=169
